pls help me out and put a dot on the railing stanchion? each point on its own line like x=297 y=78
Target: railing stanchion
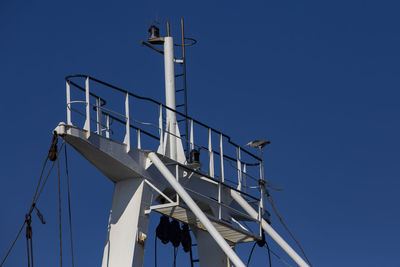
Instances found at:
x=191 y=135
x=210 y=154
x=262 y=193
x=127 y=139
x=99 y=114
x=177 y=179
x=239 y=167
x=68 y=92
x=244 y=178
x=161 y=130
x=107 y=126
x=139 y=141
x=87 y=121
x=221 y=155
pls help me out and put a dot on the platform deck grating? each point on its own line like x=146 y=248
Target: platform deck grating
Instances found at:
x=228 y=231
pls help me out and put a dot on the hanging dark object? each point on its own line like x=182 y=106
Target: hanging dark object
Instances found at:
x=261 y=242
x=53 y=148
x=175 y=233
x=162 y=230
x=194 y=156
x=186 y=238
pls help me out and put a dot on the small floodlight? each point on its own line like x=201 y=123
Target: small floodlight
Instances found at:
x=154 y=32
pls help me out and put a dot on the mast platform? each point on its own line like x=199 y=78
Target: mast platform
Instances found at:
x=229 y=232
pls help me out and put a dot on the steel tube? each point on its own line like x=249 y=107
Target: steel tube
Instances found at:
x=196 y=210
x=270 y=231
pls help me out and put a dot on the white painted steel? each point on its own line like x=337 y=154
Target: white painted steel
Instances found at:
x=268 y=229
x=244 y=176
x=210 y=154
x=221 y=152
x=98 y=113
x=161 y=132
x=127 y=139
x=108 y=126
x=87 y=96
x=195 y=209
x=209 y=253
x=170 y=95
x=239 y=167
x=158 y=191
x=191 y=135
x=68 y=93
x=139 y=141
x=127 y=221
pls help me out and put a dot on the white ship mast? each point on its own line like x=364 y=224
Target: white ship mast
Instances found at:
x=155 y=175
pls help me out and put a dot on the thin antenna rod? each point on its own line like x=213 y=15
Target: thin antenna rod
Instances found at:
x=168 y=29
x=184 y=85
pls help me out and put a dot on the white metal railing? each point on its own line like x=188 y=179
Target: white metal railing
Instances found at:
x=246 y=181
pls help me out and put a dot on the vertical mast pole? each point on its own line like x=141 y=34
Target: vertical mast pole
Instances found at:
x=170 y=93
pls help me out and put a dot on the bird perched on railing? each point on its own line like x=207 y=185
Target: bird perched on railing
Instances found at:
x=259 y=144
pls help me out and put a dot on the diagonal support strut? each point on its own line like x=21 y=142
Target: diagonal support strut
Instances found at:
x=195 y=209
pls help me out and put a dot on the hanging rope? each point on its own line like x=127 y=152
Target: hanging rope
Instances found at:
x=29 y=243
x=269 y=198
x=269 y=254
x=155 y=251
x=35 y=198
x=69 y=206
x=251 y=254
x=59 y=210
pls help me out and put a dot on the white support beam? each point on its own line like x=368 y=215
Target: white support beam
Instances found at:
x=128 y=223
x=210 y=154
x=127 y=139
x=68 y=93
x=269 y=230
x=196 y=210
x=87 y=95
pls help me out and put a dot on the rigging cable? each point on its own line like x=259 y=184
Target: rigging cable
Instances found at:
x=69 y=206
x=35 y=198
x=251 y=254
x=269 y=198
x=155 y=251
x=59 y=209
x=269 y=254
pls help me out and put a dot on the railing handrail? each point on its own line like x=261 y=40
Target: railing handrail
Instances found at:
x=228 y=138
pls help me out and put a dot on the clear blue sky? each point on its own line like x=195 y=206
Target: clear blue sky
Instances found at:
x=320 y=79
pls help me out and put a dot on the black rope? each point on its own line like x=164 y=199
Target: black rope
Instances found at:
x=59 y=209
x=269 y=254
x=69 y=206
x=175 y=254
x=251 y=254
x=155 y=251
x=34 y=200
x=270 y=200
x=47 y=176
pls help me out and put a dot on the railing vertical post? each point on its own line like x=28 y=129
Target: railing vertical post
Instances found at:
x=68 y=96
x=262 y=193
x=239 y=167
x=244 y=178
x=108 y=126
x=87 y=121
x=191 y=135
x=221 y=152
x=177 y=179
x=127 y=139
x=139 y=141
x=99 y=115
x=161 y=130
x=210 y=154
x=221 y=155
